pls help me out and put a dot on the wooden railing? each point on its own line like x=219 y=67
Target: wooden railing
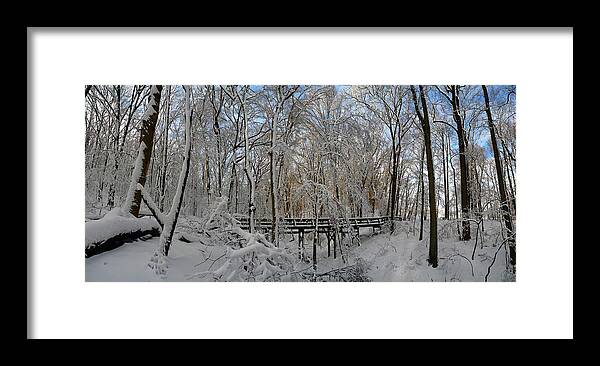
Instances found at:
x=291 y=224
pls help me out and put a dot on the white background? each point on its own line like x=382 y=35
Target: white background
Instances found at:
x=538 y=305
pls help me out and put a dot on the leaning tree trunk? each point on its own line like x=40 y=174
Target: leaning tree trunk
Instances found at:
x=424 y=118
x=134 y=196
x=168 y=221
x=171 y=219
x=501 y=185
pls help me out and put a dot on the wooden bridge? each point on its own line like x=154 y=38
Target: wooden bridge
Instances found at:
x=292 y=225
x=325 y=226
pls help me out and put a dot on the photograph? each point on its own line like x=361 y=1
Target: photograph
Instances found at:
x=300 y=183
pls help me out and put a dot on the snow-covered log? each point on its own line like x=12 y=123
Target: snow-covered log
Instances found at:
x=116 y=228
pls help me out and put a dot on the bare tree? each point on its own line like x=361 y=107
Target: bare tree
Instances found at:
x=424 y=118
x=454 y=100
x=422 y=189
x=169 y=221
x=247 y=165
x=501 y=185
x=275 y=115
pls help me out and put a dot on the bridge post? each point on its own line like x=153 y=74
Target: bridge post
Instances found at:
x=328 y=243
x=300 y=243
x=334 y=244
x=314 y=253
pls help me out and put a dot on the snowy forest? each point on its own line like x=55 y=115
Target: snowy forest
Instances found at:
x=345 y=183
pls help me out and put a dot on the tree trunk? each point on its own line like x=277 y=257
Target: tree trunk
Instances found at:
x=501 y=185
x=116 y=153
x=422 y=183
x=424 y=118
x=464 y=168
x=399 y=174
x=207 y=176
x=134 y=197
x=274 y=193
x=163 y=179
x=393 y=183
x=171 y=219
x=316 y=215
x=445 y=172
x=510 y=178
x=248 y=169
x=455 y=193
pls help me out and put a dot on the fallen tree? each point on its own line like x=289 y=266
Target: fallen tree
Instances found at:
x=116 y=228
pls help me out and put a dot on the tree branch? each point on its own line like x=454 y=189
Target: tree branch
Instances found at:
x=447 y=124
x=158 y=215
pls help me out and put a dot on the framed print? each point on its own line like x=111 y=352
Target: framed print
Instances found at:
x=340 y=183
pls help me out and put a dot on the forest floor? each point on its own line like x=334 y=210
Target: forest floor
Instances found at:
x=385 y=257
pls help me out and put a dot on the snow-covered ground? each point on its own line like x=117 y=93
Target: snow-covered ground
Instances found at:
x=384 y=256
